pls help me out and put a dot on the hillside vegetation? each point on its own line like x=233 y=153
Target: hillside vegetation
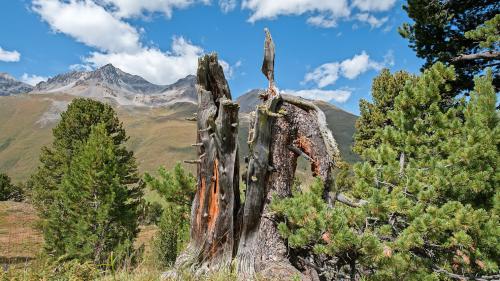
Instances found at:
x=158 y=136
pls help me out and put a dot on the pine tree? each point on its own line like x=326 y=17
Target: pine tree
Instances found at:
x=431 y=187
x=177 y=188
x=9 y=191
x=171 y=237
x=442 y=31
x=69 y=134
x=95 y=208
x=385 y=88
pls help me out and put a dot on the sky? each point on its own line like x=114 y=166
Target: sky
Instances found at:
x=325 y=49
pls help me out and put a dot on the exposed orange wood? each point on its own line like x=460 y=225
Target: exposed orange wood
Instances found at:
x=306 y=146
x=213 y=205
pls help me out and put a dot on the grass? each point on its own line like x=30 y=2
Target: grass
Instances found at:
x=20 y=240
x=21 y=259
x=21 y=245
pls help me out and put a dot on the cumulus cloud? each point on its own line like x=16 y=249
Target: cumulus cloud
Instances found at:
x=352 y=68
x=328 y=73
x=324 y=14
x=373 y=21
x=153 y=64
x=374 y=5
x=227 y=5
x=322 y=21
x=324 y=75
x=264 y=9
x=80 y=67
x=9 y=56
x=339 y=96
x=32 y=79
x=100 y=24
x=138 y=8
x=88 y=23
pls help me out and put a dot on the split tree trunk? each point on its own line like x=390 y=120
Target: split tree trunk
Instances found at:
x=283 y=128
x=214 y=210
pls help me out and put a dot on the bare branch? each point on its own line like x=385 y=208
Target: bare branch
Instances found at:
x=299 y=152
x=343 y=199
x=486 y=56
x=463 y=277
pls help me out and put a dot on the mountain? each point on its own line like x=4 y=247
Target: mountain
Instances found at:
x=112 y=84
x=10 y=86
x=340 y=122
x=183 y=90
x=155 y=120
x=249 y=100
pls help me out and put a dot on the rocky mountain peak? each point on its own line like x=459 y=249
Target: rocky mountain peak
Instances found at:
x=111 y=83
x=10 y=86
x=6 y=76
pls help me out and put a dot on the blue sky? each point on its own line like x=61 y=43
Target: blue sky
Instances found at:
x=325 y=49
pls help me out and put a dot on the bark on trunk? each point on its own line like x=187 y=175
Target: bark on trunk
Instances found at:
x=283 y=129
x=217 y=198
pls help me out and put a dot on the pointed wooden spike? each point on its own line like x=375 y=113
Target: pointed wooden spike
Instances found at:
x=268 y=63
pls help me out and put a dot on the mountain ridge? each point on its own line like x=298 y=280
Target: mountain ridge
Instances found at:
x=111 y=83
x=11 y=86
x=158 y=130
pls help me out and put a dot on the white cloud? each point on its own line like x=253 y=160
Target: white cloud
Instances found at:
x=229 y=70
x=227 y=5
x=328 y=73
x=352 y=68
x=265 y=9
x=324 y=75
x=89 y=23
x=339 y=96
x=80 y=67
x=371 y=20
x=153 y=64
x=9 y=56
x=374 y=5
x=99 y=24
x=389 y=58
x=32 y=79
x=324 y=13
x=137 y=8
x=322 y=21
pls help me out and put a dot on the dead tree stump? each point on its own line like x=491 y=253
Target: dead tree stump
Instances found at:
x=214 y=209
x=283 y=129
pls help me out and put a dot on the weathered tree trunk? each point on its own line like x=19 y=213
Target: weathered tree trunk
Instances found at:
x=283 y=128
x=214 y=210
